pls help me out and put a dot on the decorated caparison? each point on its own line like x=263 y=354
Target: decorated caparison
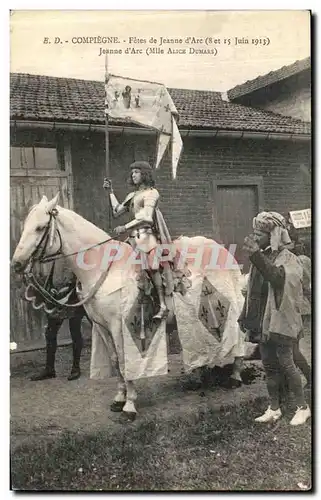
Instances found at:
x=206 y=300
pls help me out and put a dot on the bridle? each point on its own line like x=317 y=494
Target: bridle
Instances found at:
x=39 y=255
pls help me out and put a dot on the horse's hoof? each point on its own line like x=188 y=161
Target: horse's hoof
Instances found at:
x=74 y=375
x=44 y=375
x=129 y=416
x=117 y=406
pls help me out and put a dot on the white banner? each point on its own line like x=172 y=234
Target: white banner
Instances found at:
x=148 y=104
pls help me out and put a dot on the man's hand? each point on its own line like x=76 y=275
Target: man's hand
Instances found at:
x=250 y=244
x=119 y=230
x=108 y=184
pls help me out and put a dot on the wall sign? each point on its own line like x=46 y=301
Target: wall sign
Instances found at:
x=301 y=218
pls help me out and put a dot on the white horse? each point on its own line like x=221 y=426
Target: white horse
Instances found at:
x=106 y=304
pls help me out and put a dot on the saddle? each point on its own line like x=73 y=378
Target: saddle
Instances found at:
x=174 y=280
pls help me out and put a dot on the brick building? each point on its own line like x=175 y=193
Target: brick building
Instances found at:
x=236 y=161
x=286 y=91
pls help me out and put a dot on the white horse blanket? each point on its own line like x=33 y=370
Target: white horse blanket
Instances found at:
x=206 y=317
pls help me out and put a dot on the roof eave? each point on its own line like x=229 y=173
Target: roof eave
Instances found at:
x=273 y=82
x=185 y=132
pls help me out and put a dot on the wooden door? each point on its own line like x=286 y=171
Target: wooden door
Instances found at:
x=235 y=206
x=26 y=324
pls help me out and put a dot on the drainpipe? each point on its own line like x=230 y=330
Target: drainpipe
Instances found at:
x=120 y=129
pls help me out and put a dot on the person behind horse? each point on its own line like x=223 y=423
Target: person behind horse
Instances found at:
x=272 y=307
x=298 y=248
x=54 y=323
x=147 y=229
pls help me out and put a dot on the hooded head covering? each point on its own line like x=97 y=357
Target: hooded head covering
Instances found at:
x=275 y=224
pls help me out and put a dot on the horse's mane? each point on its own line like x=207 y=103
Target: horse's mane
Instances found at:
x=70 y=216
x=69 y=219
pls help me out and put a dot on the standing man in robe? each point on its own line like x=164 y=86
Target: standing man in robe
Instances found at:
x=272 y=307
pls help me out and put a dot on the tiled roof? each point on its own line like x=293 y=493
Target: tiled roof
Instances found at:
x=46 y=98
x=264 y=80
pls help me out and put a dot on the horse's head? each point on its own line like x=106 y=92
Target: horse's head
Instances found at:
x=35 y=228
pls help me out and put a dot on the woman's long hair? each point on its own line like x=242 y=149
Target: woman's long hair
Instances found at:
x=146 y=178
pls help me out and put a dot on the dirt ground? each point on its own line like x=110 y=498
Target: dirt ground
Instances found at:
x=48 y=408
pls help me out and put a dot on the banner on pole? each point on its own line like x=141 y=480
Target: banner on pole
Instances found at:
x=148 y=104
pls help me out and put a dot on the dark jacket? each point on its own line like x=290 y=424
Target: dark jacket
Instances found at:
x=262 y=272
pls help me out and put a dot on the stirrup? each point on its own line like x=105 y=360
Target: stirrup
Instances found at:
x=162 y=313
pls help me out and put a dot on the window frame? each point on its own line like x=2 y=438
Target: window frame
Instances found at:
x=39 y=139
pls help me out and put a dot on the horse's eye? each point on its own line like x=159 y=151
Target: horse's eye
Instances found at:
x=39 y=229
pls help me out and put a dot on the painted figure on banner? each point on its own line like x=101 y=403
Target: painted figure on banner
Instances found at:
x=116 y=97
x=137 y=99
x=127 y=96
x=148 y=104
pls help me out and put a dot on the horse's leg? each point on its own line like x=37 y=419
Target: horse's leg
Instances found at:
x=129 y=409
x=108 y=336
x=126 y=390
x=105 y=363
x=120 y=397
x=237 y=369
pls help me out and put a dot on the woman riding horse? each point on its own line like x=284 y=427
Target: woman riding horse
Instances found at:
x=147 y=229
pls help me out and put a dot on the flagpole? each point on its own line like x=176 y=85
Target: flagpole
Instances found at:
x=107 y=163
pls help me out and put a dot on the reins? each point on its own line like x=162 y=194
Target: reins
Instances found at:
x=58 y=255
x=41 y=258
x=63 y=302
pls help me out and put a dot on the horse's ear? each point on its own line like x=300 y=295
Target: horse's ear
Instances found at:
x=52 y=203
x=44 y=199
